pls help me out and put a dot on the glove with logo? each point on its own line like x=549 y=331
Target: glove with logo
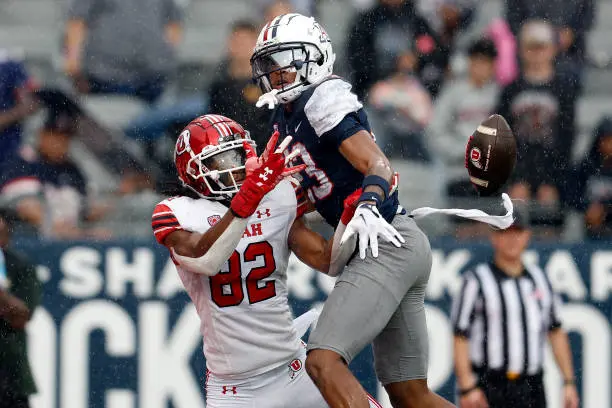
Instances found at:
x=262 y=180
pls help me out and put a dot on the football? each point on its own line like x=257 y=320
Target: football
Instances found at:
x=490 y=155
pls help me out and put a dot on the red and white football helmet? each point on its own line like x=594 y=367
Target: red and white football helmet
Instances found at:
x=210 y=156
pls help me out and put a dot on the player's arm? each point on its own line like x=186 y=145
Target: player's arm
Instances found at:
x=363 y=153
x=337 y=117
x=310 y=247
x=194 y=244
x=327 y=256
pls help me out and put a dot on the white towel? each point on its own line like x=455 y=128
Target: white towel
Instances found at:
x=499 y=221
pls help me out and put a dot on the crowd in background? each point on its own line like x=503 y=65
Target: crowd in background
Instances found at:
x=399 y=56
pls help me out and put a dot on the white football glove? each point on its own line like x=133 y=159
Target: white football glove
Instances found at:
x=269 y=99
x=368 y=224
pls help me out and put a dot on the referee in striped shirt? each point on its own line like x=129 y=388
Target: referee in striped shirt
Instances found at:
x=501 y=318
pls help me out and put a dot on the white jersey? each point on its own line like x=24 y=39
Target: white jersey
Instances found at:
x=246 y=322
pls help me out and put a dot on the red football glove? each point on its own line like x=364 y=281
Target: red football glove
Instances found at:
x=263 y=179
x=350 y=204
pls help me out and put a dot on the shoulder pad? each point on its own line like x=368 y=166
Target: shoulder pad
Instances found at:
x=329 y=103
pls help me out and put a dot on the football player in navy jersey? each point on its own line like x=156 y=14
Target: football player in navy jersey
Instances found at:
x=379 y=297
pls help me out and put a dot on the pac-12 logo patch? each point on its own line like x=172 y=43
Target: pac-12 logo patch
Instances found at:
x=475 y=156
x=213 y=219
x=295 y=366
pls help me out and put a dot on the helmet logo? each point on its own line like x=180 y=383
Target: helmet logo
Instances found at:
x=323 y=37
x=182 y=143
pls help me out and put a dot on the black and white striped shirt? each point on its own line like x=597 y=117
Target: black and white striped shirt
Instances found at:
x=506 y=319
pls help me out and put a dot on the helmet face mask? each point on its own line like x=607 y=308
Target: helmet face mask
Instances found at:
x=210 y=156
x=293 y=52
x=281 y=68
x=223 y=170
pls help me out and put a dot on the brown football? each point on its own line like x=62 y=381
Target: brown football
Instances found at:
x=490 y=155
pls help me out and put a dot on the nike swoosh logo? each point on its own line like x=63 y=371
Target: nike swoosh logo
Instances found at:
x=298 y=126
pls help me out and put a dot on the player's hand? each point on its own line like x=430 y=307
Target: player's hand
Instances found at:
x=351 y=202
x=263 y=180
x=368 y=224
x=570 y=396
x=253 y=162
x=269 y=99
x=474 y=399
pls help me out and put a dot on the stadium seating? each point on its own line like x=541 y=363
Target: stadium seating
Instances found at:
x=34 y=28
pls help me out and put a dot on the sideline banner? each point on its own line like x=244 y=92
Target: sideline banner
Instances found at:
x=116 y=329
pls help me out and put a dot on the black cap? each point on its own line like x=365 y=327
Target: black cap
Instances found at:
x=62 y=112
x=484 y=47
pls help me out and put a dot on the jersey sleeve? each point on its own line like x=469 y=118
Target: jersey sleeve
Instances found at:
x=330 y=103
x=164 y=222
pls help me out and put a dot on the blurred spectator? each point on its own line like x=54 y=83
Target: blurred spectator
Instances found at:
x=403 y=107
x=16 y=103
x=594 y=184
x=540 y=108
x=233 y=92
x=459 y=109
x=45 y=188
x=446 y=17
x=20 y=293
x=572 y=19
x=125 y=47
x=378 y=36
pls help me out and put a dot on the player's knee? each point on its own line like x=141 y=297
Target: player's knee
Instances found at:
x=320 y=363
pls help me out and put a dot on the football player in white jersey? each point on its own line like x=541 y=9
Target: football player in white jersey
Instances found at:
x=230 y=236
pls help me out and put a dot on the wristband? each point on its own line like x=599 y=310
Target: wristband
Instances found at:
x=371 y=196
x=373 y=180
x=569 y=382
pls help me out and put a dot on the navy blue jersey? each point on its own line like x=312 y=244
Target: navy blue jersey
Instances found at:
x=319 y=121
